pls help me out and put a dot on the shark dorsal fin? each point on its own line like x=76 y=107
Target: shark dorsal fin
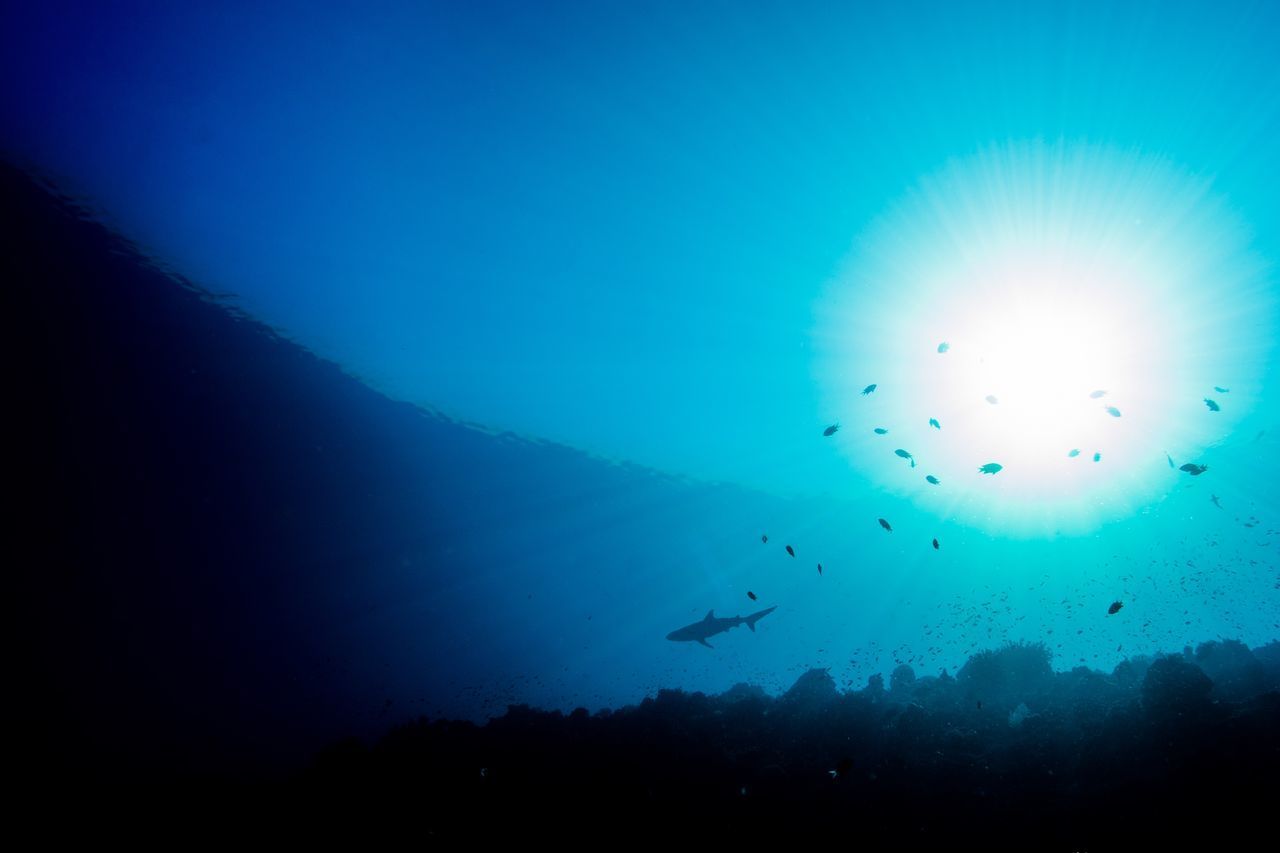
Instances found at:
x=711 y=614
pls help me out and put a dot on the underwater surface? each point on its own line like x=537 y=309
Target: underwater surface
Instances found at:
x=840 y=421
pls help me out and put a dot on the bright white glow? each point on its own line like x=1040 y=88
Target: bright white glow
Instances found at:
x=1051 y=273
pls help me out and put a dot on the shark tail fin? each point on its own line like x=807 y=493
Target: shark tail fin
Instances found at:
x=756 y=617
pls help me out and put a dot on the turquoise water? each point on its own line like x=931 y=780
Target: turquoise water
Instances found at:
x=686 y=239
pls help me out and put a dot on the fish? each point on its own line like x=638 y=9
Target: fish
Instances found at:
x=710 y=626
x=1170 y=458
x=869 y=389
x=764 y=537
x=932 y=479
x=880 y=431
x=1193 y=469
x=991 y=468
x=751 y=595
x=1097 y=457
x=791 y=551
x=1114 y=608
x=1213 y=406
x=1074 y=452
x=1214 y=500
x=933 y=422
x=905 y=455
x=936 y=546
x=831 y=430
x=885 y=525
x=819 y=568
x=991 y=398
x=1113 y=411
x=1096 y=394
x=1221 y=390
x=944 y=346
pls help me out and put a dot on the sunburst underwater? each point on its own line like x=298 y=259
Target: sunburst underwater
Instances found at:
x=1045 y=305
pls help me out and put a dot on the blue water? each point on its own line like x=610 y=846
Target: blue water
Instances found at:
x=685 y=239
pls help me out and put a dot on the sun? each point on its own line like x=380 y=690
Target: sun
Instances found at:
x=1059 y=311
x=1043 y=363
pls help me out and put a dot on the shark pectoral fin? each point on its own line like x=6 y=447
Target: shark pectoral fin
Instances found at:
x=705 y=643
x=751 y=625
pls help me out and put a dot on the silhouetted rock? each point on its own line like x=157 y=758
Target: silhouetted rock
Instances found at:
x=743 y=692
x=1090 y=764
x=1174 y=689
x=812 y=690
x=902 y=679
x=1268 y=657
x=1130 y=672
x=1236 y=674
x=1018 y=672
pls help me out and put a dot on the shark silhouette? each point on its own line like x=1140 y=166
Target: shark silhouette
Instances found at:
x=711 y=626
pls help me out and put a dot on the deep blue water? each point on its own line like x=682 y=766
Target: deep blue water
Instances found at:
x=444 y=357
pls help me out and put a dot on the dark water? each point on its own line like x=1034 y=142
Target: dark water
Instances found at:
x=241 y=573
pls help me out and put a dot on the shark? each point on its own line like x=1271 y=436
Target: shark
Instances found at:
x=710 y=626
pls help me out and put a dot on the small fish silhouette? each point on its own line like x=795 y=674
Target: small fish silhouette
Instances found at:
x=1221 y=390
x=1170 y=458
x=1096 y=394
x=880 y=431
x=1097 y=457
x=944 y=346
x=991 y=468
x=819 y=568
x=1193 y=469
x=831 y=430
x=1114 y=608
x=933 y=422
x=991 y=398
x=932 y=479
x=751 y=595
x=1213 y=406
x=885 y=525
x=869 y=389
x=1113 y=411
x=790 y=551
x=764 y=537
x=1074 y=452
x=905 y=455
x=936 y=546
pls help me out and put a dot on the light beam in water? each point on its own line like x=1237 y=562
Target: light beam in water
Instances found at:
x=1052 y=272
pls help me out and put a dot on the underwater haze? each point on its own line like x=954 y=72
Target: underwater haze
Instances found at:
x=421 y=360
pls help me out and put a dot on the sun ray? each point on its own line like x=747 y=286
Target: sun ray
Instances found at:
x=1052 y=272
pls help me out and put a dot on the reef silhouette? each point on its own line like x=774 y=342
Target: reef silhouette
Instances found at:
x=1007 y=753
